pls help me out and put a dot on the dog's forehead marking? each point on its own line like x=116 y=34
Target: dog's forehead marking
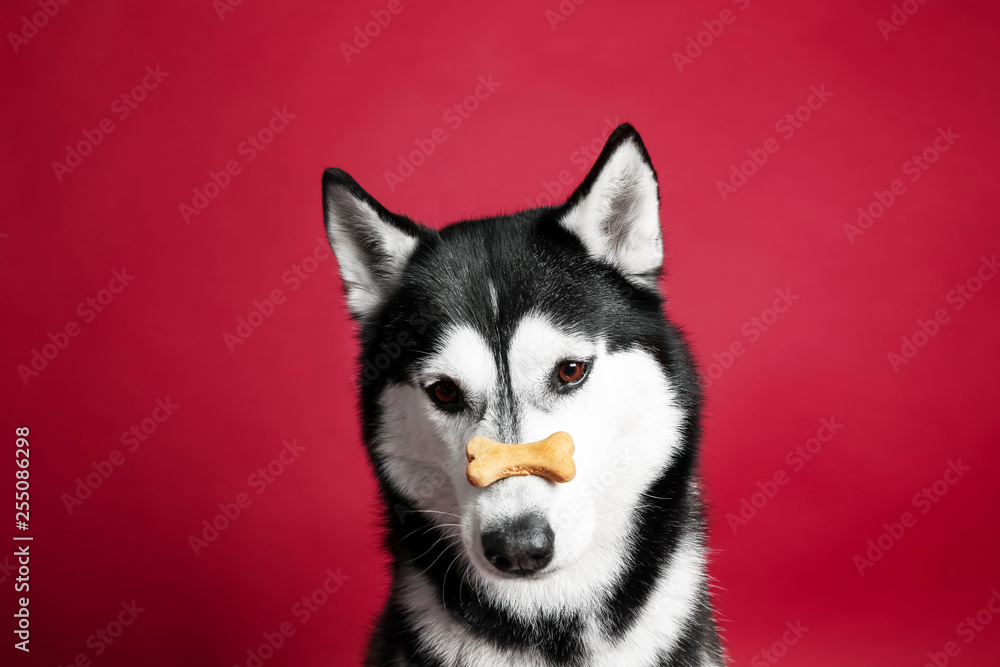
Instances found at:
x=537 y=345
x=464 y=356
x=494 y=300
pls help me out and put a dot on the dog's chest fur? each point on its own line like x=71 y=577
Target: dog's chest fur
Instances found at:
x=669 y=631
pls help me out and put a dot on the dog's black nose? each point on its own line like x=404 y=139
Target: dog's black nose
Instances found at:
x=521 y=547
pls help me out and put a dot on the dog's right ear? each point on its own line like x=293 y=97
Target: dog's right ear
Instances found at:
x=616 y=210
x=372 y=245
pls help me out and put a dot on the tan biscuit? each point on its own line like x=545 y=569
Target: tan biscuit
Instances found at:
x=490 y=460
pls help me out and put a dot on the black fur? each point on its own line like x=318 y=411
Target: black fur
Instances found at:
x=534 y=264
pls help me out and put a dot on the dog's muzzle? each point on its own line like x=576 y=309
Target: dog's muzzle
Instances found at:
x=551 y=458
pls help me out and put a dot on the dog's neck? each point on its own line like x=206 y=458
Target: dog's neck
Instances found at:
x=452 y=622
x=657 y=602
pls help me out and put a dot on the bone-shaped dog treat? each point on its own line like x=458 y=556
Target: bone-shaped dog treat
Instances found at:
x=490 y=460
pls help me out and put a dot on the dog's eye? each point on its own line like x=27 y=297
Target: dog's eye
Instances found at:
x=571 y=372
x=446 y=395
x=446 y=392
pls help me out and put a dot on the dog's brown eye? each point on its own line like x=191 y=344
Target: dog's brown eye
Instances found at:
x=571 y=371
x=446 y=392
x=446 y=395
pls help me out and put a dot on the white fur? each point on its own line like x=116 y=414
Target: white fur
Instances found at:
x=618 y=220
x=661 y=622
x=418 y=439
x=352 y=223
x=626 y=428
x=658 y=627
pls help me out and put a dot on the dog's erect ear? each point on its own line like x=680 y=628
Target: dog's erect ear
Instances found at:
x=616 y=210
x=372 y=245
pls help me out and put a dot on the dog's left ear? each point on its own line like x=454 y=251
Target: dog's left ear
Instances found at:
x=616 y=210
x=372 y=244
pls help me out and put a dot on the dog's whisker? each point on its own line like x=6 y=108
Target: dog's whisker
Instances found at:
x=437 y=512
x=444 y=581
x=428 y=528
x=436 y=558
x=461 y=585
x=421 y=529
x=443 y=537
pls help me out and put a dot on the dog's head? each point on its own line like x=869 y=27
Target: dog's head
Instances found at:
x=514 y=328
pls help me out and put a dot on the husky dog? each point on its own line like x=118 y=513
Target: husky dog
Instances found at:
x=513 y=328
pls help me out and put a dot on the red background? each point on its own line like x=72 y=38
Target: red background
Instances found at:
x=162 y=336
